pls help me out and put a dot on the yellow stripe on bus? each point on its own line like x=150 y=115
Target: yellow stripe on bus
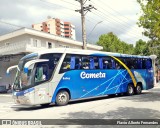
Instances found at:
x=129 y=71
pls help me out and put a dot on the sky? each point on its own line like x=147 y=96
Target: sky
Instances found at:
x=117 y=16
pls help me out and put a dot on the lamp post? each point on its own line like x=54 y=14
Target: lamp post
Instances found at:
x=153 y=57
x=94 y=28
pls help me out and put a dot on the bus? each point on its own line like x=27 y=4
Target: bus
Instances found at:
x=61 y=75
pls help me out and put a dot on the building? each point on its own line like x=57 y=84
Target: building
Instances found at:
x=57 y=27
x=15 y=45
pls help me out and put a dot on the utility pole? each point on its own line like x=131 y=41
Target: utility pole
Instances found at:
x=83 y=11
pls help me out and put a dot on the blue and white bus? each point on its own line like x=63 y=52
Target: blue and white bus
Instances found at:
x=63 y=75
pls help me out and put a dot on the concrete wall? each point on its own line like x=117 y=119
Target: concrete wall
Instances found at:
x=4 y=64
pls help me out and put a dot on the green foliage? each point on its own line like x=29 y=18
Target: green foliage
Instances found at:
x=140 y=48
x=111 y=43
x=150 y=19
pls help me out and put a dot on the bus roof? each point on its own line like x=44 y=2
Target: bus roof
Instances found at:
x=86 y=52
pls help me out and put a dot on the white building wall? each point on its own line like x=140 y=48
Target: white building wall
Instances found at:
x=14 y=45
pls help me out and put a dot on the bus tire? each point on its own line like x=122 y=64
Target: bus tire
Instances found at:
x=130 y=90
x=62 y=98
x=138 y=89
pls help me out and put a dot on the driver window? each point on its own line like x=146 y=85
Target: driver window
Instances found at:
x=42 y=73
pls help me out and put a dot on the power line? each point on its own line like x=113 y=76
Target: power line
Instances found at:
x=69 y=3
x=104 y=18
x=11 y=24
x=119 y=29
x=114 y=18
x=114 y=10
x=123 y=25
x=57 y=4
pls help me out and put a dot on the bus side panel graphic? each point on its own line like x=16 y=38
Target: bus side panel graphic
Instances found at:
x=89 y=83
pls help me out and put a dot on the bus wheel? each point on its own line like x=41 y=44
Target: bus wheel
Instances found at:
x=62 y=98
x=138 y=89
x=130 y=90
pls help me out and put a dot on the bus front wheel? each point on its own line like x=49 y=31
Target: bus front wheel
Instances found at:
x=130 y=90
x=62 y=98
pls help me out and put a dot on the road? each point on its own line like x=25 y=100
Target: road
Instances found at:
x=144 y=106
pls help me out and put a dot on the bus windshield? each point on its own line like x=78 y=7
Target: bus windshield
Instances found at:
x=23 y=79
x=37 y=73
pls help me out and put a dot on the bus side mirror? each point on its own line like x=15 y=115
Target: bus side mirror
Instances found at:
x=10 y=68
x=29 y=63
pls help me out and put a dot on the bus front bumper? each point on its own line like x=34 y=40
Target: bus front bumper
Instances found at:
x=21 y=100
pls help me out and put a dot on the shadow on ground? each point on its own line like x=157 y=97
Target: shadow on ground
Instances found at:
x=152 y=95
x=120 y=113
x=31 y=108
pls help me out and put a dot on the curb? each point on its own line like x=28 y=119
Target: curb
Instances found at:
x=5 y=95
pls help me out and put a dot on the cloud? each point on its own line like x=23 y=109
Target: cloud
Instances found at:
x=119 y=17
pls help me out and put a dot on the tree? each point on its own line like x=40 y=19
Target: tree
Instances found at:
x=111 y=43
x=150 y=19
x=140 y=48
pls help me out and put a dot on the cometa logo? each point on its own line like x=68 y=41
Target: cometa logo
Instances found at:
x=85 y=75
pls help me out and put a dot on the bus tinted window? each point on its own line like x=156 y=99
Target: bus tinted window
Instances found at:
x=107 y=63
x=66 y=65
x=85 y=62
x=44 y=70
x=78 y=62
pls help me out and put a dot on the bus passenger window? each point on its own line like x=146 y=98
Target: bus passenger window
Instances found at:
x=118 y=66
x=69 y=63
x=139 y=63
x=113 y=64
x=148 y=64
x=78 y=62
x=107 y=64
x=91 y=65
x=130 y=64
x=100 y=63
x=96 y=63
x=85 y=62
x=144 y=64
x=72 y=63
x=66 y=65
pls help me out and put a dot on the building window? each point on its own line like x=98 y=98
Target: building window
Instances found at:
x=49 y=45
x=7 y=44
x=63 y=46
x=36 y=43
x=66 y=24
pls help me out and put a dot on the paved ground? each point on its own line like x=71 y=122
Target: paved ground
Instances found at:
x=144 y=106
